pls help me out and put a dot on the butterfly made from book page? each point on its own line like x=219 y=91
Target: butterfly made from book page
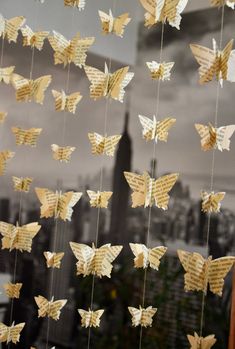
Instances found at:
x=53 y=259
x=5 y=156
x=11 y=333
x=22 y=184
x=157 y=130
x=220 y=3
x=26 y=137
x=56 y=204
x=90 y=318
x=147 y=190
x=9 y=27
x=30 y=90
x=215 y=138
x=65 y=102
x=6 y=74
x=145 y=256
x=99 y=198
x=197 y=342
x=215 y=63
x=18 y=237
x=103 y=144
x=162 y=11
x=160 y=71
x=211 y=201
x=96 y=261
x=51 y=309
x=70 y=51
x=80 y=4
x=142 y=316
x=34 y=39
x=201 y=272
x=114 y=25
x=106 y=84
x=12 y=290
x=62 y=154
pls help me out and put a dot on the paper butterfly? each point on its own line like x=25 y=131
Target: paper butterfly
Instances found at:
x=90 y=318
x=215 y=138
x=148 y=190
x=19 y=238
x=9 y=27
x=22 y=184
x=142 y=316
x=2 y=117
x=12 y=290
x=62 y=154
x=56 y=204
x=11 y=333
x=5 y=155
x=26 y=137
x=211 y=201
x=28 y=90
x=80 y=4
x=145 y=256
x=53 y=259
x=103 y=145
x=99 y=198
x=107 y=84
x=160 y=71
x=197 y=342
x=162 y=11
x=66 y=103
x=49 y=308
x=96 y=261
x=68 y=51
x=34 y=39
x=220 y=3
x=6 y=74
x=157 y=130
x=114 y=25
x=214 y=63
x=200 y=272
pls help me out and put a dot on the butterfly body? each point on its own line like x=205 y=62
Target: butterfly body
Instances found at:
x=142 y=316
x=5 y=156
x=9 y=27
x=51 y=308
x=160 y=71
x=114 y=25
x=90 y=318
x=11 y=333
x=215 y=138
x=211 y=201
x=62 y=154
x=145 y=257
x=197 y=342
x=99 y=199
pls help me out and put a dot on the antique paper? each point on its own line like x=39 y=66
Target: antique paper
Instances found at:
x=213 y=62
x=220 y=3
x=66 y=103
x=26 y=137
x=22 y=184
x=11 y=333
x=34 y=39
x=99 y=198
x=30 y=90
x=51 y=309
x=9 y=27
x=95 y=261
x=114 y=25
x=197 y=342
x=5 y=156
x=103 y=145
x=80 y=4
x=162 y=11
x=211 y=201
x=3 y=116
x=62 y=154
x=18 y=237
x=215 y=138
x=160 y=71
x=12 y=290
x=6 y=74
x=107 y=84
x=200 y=272
x=56 y=204
x=147 y=191
x=53 y=259
x=90 y=318
x=153 y=129
x=145 y=256
x=142 y=316
x=70 y=51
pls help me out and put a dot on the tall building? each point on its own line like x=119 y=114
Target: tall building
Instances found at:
x=120 y=198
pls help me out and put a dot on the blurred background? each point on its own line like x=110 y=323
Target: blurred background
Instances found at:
x=182 y=226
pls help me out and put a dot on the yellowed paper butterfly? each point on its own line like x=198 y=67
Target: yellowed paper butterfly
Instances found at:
x=215 y=138
x=220 y=3
x=99 y=198
x=51 y=309
x=62 y=154
x=106 y=84
x=3 y=116
x=156 y=130
x=34 y=39
x=197 y=342
x=53 y=259
x=147 y=190
x=5 y=156
x=9 y=27
x=114 y=25
x=19 y=238
x=22 y=184
x=200 y=272
x=12 y=290
x=160 y=71
x=26 y=137
x=211 y=201
x=11 y=333
x=96 y=261
x=102 y=144
x=66 y=103
x=142 y=316
x=145 y=256
x=80 y=4
x=56 y=204
x=90 y=318
x=6 y=74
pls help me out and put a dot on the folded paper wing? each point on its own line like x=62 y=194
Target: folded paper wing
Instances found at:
x=62 y=154
x=34 y=39
x=90 y=318
x=158 y=130
x=12 y=290
x=65 y=102
x=211 y=201
x=9 y=27
x=197 y=342
x=99 y=199
x=160 y=71
x=103 y=145
x=145 y=257
x=22 y=184
x=50 y=309
x=53 y=259
x=26 y=137
x=80 y=4
x=220 y=3
x=215 y=138
x=6 y=74
x=11 y=333
x=5 y=156
x=142 y=316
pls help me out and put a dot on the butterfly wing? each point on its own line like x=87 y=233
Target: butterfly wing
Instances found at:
x=95 y=317
x=110 y=144
x=85 y=256
x=147 y=316
x=85 y=317
x=39 y=87
x=208 y=342
x=149 y=127
x=66 y=203
x=224 y=134
x=219 y=268
x=98 y=81
x=163 y=128
x=140 y=252
x=3 y=332
x=60 y=100
x=8 y=231
x=25 y=236
x=155 y=255
x=104 y=257
x=48 y=201
x=225 y=55
x=120 y=23
x=207 y=60
x=162 y=187
x=55 y=308
x=72 y=102
x=5 y=155
x=43 y=306
x=117 y=83
x=22 y=87
x=97 y=143
x=3 y=116
x=173 y=10
x=12 y=27
x=207 y=139
x=136 y=315
x=80 y=51
x=138 y=185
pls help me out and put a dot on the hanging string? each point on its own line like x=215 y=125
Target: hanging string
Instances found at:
x=106 y=114
x=2 y=51
x=152 y=175
x=212 y=172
